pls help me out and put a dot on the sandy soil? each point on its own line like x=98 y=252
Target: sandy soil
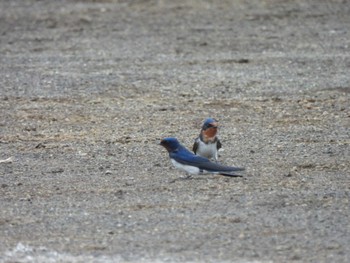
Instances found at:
x=88 y=88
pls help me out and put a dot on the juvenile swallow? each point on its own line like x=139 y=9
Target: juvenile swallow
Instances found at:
x=185 y=160
x=207 y=143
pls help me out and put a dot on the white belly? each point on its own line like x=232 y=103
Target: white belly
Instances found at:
x=187 y=168
x=207 y=150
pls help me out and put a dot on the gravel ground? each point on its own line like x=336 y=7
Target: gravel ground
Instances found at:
x=88 y=88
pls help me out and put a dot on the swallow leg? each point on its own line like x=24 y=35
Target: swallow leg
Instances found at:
x=188 y=177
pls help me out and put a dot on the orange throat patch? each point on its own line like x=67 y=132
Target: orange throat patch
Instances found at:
x=209 y=134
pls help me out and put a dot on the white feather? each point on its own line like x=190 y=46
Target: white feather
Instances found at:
x=187 y=168
x=207 y=150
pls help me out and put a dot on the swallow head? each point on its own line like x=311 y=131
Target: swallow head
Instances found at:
x=210 y=123
x=169 y=143
x=209 y=129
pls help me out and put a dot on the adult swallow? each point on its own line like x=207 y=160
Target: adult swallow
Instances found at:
x=207 y=143
x=185 y=160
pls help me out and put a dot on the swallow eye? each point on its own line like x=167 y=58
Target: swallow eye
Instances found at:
x=165 y=143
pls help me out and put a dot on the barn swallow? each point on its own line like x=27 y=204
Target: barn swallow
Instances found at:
x=207 y=143
x=185 y=160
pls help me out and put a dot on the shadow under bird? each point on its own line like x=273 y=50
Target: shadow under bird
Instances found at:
x=185 y=160
x=207 y=143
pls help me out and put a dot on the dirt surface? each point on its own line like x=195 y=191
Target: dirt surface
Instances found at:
x=88 y=88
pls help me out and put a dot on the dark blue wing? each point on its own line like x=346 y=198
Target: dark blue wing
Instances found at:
x=218 y=145
x=195 y=145
x=183 y=156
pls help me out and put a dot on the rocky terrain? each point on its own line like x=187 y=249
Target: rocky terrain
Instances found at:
x=88 y=89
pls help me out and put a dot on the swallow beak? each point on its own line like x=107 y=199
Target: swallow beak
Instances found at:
x=165 y=145
x=213 y=125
